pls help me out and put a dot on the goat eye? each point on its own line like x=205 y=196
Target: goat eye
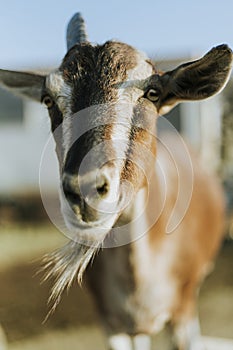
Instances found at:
x=48 y=101
x=152 y=95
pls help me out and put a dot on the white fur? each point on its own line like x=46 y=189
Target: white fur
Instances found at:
x=147 y=264
x=128 y=93
x=60 y=90
x=188 y=335
x=120 y=342
x=62 y=93
x=141 y=341
x=125 y=342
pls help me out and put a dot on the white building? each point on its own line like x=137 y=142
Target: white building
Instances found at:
x=24 y=131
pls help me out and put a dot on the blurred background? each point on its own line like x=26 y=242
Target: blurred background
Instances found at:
x=32 y=38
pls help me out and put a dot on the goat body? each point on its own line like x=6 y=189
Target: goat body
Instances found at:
x=141 y=286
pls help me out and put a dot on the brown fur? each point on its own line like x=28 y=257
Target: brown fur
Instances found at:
x=130 y=297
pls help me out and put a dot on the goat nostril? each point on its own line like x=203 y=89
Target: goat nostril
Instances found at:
x=103 y=188
x=70 y=191
x=72 y=197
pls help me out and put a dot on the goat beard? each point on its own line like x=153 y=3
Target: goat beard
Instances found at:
x=65 y=265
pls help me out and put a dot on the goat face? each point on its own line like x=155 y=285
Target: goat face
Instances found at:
x=100 y=113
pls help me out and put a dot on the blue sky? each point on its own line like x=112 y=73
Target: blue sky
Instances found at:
x=32 y=33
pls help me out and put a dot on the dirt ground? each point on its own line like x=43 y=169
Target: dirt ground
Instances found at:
x=23 y=299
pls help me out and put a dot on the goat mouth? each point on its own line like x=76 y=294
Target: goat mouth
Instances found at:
x=89 y=233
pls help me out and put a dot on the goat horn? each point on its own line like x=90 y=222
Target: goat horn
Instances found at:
x=76 y=31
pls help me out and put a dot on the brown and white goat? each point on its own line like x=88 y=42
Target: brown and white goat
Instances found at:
x=120 y=185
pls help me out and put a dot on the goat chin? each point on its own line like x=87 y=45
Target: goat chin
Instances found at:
x=69 y=262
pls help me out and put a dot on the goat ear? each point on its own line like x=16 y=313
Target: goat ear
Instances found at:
x=23 y=84
x=196 y=80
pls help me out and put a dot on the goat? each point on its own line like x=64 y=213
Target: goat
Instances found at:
x=124 y=190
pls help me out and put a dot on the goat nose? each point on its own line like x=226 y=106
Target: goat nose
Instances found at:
x=93 y=196
x=76 y=189
x=95 y=191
